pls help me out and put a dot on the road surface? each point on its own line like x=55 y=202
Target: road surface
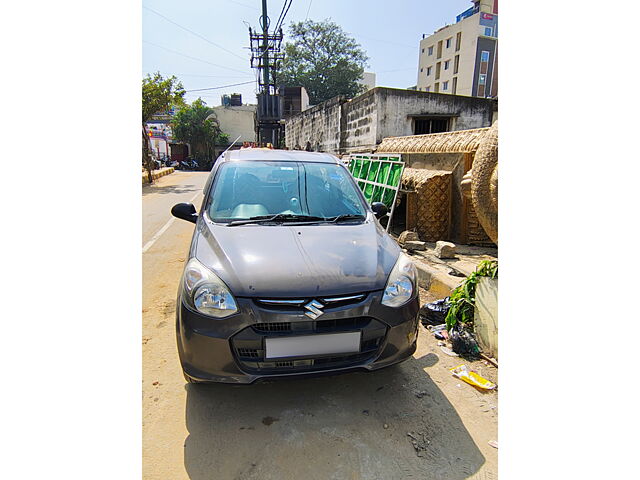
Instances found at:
x=411 y=421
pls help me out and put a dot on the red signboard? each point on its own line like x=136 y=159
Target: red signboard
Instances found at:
x=487 y=16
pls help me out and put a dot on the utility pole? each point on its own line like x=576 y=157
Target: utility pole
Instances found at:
x=266 y=56
x=265 y=44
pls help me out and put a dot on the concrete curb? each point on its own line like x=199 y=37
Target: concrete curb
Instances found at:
x=157 y=174
x=435 y=281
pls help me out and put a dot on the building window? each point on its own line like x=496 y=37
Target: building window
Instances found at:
x=445 y=86
x=458 y=40
x=423 y=50
x=446 y=64
x=448 y=42
x=430 y=51
x=428 y=71
x=484 y=56
x=438 y=70
x=454 y=86
x=456 y=64
x=439 y=49
x=482 y=79
x=436 y=87
x=421 y=70
x=488 y=31
x=428 y=89
x=426 y=125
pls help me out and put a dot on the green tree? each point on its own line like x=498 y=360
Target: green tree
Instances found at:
x=197 y=125
x=158 y=95
x=323 y=59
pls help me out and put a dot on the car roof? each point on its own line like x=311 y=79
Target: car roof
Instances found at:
x=269 y=154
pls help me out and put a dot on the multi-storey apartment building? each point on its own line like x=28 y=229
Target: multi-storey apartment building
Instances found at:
x=462 y=59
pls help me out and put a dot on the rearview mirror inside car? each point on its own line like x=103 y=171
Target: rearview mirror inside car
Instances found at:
x=185 y=211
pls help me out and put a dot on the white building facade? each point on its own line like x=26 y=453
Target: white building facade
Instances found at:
x=461 y=59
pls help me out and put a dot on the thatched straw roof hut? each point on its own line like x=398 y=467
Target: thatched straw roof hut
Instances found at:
x=433 y=202
x=462 y=141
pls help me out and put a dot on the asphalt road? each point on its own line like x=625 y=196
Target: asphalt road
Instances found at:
x=411 y=421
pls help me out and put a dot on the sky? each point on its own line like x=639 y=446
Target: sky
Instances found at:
x=211 y=50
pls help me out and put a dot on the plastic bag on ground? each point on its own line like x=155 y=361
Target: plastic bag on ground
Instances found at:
x=463 y=342
x=472 y=378
x=434 y=313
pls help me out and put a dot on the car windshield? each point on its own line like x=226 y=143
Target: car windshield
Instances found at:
x=291 y=190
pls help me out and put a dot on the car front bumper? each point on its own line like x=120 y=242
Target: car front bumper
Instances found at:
x=232 y=350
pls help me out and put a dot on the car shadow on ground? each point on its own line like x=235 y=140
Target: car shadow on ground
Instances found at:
x=153 y=188
x=391 y=424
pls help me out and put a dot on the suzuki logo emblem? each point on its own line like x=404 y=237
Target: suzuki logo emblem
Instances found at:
x=314 y=309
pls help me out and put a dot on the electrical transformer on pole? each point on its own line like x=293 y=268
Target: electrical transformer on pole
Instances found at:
x=266 y=57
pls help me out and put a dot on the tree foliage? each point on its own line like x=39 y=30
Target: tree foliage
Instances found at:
x=158 y=96
x=324 y=60
x=197 y=125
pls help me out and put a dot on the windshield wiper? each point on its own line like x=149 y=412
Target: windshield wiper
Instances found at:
x=279 y=217
x=345 y=216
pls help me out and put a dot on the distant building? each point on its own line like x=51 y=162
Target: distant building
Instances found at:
x=368 y=80
x=236 y=119
x=462 y=59
x=233 y=100
x=160 y=135
x=296 y=100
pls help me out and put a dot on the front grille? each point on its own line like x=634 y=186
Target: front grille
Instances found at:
x=273 y=327
x=248 y=352
x=308 y=365
x=314 y=326
x=355 y=323
x=248 y=344
x=297 y=304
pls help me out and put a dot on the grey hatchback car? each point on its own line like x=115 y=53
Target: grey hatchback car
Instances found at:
x=290 y=273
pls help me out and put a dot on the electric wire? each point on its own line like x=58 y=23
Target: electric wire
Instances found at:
x=284 y=6
x=310 y=2
x=200 y=75
x=194 y=33
x=242 y=4
x=192 y=58
x=217 y=88
x=283 y=14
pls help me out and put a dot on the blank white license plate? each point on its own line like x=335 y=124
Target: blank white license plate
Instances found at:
x=313 y=345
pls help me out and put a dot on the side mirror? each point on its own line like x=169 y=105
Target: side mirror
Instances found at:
x=380 y=209
x=185 y=211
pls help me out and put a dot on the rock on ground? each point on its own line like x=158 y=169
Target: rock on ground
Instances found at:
x=445 y=250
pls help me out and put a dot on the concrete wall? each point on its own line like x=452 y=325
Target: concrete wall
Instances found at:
x=236 y=121
x=319 y=126
x=397 y=107
x=485 y=322
x=359 y=125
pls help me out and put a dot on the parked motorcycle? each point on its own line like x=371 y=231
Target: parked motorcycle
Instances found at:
x=188 y=164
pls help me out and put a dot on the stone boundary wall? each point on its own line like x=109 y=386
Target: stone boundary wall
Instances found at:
x=341 y=126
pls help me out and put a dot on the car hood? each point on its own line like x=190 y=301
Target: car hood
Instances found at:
x=297 y=260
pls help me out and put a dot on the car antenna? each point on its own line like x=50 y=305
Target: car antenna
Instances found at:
x=234 y=142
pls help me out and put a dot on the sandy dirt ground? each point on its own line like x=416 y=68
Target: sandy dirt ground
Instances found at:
x=413 y=420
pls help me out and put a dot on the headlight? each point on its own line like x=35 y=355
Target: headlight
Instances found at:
x=205 y=292
x=401 y=283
